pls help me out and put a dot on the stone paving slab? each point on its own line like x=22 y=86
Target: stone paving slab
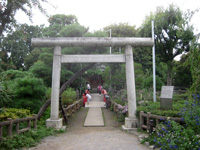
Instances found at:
x=94 y=117
x=95 y=104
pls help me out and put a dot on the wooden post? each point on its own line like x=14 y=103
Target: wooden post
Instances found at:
x=35 y=122
x=17 y=128
x=29 y=123
x=1 y=132
x=157 y=121
x=141 y=120
x=151 y=126
x=9 y=130
x=148 y=120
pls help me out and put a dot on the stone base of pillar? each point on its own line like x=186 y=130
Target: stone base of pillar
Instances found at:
x=130 y=124
x=56 y=124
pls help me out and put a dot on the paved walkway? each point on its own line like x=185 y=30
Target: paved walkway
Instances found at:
x=94 y=116
x=78 y=137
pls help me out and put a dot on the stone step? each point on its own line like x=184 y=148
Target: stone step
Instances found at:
x=94 y=117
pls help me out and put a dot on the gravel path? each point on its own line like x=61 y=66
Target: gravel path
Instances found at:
x=78 y=137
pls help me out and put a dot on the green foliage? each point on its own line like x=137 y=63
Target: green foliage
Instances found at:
x=154 y=108
x=139 y=75
x=5 y=96
x=47 y=58
x=31 y=58
x=13 y=113
x=14 y=74
x=120 y=97
x=48 y=93
x=68 y=96
x=117 y=79
x=41 y=70
x=191 y=114
x=194 y=60
x=148 y=83
x=171 y=135
x=9 y=9
x=173 y=34
x=73 y=30
x=182 y=73
x=62 y=19
x=145 y=94
x=29 y=93
x=18 y=46
x=122 y=30
x=161 y=70
x=27 y=139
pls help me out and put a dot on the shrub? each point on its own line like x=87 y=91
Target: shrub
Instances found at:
x=171 y=135
x=5 y=95
x=13 y=113
x=148 y=83
x=191 y=114
x=29 y=93
x=14 y=74
x=68 y=96
x=154 y=108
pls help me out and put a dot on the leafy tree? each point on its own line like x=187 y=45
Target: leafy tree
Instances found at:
x=5 y=96
x=148 y=83
x=17 y=45
x=8 y=9
x=121 y=30
x=30 y=59
x=14 y=74
x=172 y=34
x=64 y=20
x=182 y=73
x=42 y=71
x=117 y=79
x=73 y=30
x=194 y=60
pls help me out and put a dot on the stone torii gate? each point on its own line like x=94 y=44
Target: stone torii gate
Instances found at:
x=54 y=121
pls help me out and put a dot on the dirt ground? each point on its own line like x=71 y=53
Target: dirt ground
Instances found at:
x=77 y=137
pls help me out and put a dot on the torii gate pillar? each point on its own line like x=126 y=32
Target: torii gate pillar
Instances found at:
x=131 y=121
x=55 y=121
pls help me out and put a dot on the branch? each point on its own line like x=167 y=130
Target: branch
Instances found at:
x=62 y=89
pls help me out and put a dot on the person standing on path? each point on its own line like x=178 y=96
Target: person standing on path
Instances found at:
x=88 y=87
x=89 y=98
x=99 y=89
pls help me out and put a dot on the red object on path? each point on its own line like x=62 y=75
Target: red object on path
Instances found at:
x=104 y=92
x=84 y=99
x=86 y=91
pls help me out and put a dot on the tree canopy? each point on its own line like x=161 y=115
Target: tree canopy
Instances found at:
x=8 y=9
x=173 y=34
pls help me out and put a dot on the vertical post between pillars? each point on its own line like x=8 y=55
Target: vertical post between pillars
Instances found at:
x=55 y=121
x=131 y=121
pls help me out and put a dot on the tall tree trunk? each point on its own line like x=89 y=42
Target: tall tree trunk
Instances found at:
x=62 y=89
x=169 y=75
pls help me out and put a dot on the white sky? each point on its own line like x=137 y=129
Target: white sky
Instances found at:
x=97 y=14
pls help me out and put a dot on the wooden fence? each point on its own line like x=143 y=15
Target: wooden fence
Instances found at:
x=11 y=122
x=149 y=121
x=115 y=107
x=73 y=108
